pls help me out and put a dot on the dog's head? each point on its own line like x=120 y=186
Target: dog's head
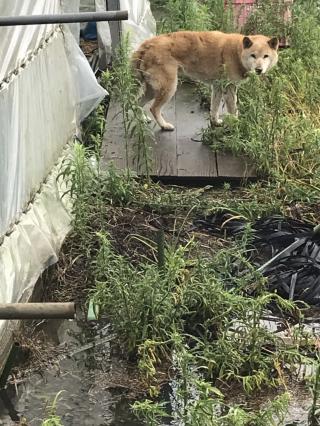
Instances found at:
x=259 y=53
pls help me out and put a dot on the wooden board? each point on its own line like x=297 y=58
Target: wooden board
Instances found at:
x=193 y=158
x=164 y=148
x=178 y=154
x=230 y=166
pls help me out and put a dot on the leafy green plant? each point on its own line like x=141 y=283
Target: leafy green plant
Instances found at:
x=123 y=86
x=314 y=412
x=149 y=411
x=53 y=419
x=221 y=15
x=195 y=15
x=93 y=129
x=278 y=126
x=79 y=172
x=185 y=15
x=139 y=300
x=196 y=402
x=267 y=18
x=206 y=299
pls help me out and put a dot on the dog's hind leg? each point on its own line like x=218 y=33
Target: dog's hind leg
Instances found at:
x=231 y=99
x=216 y=97
x=146 y=94
x=164 y=90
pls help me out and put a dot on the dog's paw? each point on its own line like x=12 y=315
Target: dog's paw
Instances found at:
x=168 y=127
x=217 y=122
x=147 y=119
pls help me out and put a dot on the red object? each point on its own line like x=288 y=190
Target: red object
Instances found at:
x=241 y=10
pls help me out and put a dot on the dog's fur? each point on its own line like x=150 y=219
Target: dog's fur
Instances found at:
x=207 y=56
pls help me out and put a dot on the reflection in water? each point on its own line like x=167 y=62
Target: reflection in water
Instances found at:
x=88 y=398
x=85 y=399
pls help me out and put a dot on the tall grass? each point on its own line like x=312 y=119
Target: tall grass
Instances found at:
x=200 y=313
x=187 y=297
x=147 y=305
x=278 y=127
x=124 y=87
x=196 y=15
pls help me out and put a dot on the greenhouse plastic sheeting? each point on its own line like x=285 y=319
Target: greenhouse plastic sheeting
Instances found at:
x=69 y=6
x=141 y=23
x=46 y=88
x=31 y=248
x=37 y=118
x=17 y=42
x=40 y=103
x=104 y=37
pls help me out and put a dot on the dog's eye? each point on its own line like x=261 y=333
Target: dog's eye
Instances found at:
x=253 y=56
x=266 y=56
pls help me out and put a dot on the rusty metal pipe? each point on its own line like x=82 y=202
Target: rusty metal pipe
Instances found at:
x=21 y=311
x=64 y=18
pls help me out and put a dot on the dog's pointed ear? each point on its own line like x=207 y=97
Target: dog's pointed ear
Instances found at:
x=247 y=42
x=274 y=43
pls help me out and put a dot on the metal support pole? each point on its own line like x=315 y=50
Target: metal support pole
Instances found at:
x=65 y=18
x=20 y=311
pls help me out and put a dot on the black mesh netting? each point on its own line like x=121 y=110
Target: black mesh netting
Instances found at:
x=287 y=251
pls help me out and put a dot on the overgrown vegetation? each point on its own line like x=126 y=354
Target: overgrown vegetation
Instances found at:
x=194 y=310
x=196 y=15
x=123 y=85
x=193 y=306
x=278 y=125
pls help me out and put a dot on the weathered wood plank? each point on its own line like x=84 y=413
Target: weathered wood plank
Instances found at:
x=174 y=154
x=163 y=148
x=194 y=159
x=230 y=166
x=165 y=145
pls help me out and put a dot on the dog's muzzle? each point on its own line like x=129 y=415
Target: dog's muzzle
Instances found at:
x=258 y=71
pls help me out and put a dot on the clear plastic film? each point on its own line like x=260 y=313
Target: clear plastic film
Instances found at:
x=46 y=88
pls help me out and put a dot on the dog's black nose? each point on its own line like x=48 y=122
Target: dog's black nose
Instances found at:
x=258 y=71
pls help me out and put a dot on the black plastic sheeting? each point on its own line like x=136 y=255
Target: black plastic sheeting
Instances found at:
x=288 y=251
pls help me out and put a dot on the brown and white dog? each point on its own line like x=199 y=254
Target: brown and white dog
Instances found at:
x=208 y=56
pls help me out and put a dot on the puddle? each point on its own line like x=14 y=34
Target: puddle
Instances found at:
x=87 y=398
x=84 y=373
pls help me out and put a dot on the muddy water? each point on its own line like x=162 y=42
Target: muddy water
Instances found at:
x=86 y=398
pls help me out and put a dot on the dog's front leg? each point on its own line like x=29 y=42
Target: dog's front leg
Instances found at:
x=216 y=96
x=231 y=99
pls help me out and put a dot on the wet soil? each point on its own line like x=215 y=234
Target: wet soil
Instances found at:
x=79 y=359
x=96 y=387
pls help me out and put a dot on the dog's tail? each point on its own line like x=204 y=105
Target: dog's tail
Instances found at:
x=139 y=72
x=136 y=62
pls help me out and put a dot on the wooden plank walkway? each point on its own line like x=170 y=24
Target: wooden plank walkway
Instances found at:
x=179 y=154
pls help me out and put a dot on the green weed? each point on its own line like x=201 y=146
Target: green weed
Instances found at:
x=185 y=15
x=123 y=86
x=196 y=15
x=314 y=413
x=204 y=298
x=278 y=127
x=53 y=419
x=268 y=18
x=197 y=402
x=202 y=313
